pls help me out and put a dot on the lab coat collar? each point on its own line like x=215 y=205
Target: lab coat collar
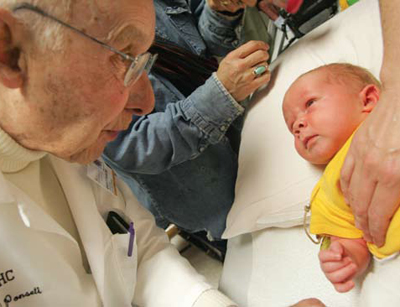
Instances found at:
x=5 y=193
x=31 y=214
x=113 y=272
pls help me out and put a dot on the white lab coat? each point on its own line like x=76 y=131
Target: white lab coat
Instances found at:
x=41 y=263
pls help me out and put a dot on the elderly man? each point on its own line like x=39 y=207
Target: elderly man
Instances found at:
x=71 y=75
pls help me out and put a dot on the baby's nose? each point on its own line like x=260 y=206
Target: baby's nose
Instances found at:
x=298 y=125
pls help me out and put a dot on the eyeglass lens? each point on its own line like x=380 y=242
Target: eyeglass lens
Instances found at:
x=143 y=62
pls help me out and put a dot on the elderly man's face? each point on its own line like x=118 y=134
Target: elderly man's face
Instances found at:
x=78 y=101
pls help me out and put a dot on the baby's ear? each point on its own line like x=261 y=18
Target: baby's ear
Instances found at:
x=369 y=96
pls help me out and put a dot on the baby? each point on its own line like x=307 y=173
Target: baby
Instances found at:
x=322 y=109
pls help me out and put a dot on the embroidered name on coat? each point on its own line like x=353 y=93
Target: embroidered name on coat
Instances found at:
x=14 y=298
x=6 y=276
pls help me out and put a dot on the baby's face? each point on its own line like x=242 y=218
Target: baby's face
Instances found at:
x=321 y=115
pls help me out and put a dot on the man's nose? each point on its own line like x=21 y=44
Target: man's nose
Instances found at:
x=141 y=98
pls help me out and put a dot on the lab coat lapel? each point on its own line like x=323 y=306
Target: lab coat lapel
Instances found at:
x=31 y=214
x=5 y=193
x=113 y=273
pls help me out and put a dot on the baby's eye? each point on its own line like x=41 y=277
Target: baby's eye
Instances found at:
x=309 y=103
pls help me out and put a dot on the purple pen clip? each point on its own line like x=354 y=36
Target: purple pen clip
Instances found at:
x=131 y=239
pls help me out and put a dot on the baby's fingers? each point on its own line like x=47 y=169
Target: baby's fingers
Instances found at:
x=344 y=286
x=332 y=266
x=328 y=255
x=343 y=274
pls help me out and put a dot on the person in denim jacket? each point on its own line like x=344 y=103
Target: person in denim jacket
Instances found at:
x=181 y=160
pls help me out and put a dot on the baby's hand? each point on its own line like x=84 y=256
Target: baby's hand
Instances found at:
x=338 y=267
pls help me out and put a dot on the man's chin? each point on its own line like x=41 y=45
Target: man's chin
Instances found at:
x=86 y=156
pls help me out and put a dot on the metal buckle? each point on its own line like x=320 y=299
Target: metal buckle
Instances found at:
x=307 y=209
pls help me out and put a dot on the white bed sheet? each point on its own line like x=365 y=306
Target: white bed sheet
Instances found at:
x=277 y=267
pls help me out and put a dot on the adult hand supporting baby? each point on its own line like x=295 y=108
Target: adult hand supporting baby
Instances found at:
x=230 y=5
x=245 y=69
x=370 y=178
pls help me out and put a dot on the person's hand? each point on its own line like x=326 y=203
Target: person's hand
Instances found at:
x=309 y=302
x=370 y=176
x=237 y=71
x=230 y=5
x=338 y=267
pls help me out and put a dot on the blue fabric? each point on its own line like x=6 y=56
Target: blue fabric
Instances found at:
x=178 y=160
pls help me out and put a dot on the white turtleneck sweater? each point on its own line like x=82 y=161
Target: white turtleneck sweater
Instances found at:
x=31 y=170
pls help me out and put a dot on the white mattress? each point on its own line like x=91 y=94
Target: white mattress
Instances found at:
x=277 y=267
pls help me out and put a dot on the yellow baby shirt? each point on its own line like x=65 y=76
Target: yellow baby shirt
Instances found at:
x=330 y=215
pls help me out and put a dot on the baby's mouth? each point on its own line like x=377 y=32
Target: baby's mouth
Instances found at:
x=308 y=139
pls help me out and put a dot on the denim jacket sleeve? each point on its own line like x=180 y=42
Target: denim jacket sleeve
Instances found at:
x=160 y=140
x=220 y=32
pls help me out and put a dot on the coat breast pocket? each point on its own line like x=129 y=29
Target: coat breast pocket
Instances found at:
x=120 y=268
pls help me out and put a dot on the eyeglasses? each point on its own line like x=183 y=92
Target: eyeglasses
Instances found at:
x=143 y=62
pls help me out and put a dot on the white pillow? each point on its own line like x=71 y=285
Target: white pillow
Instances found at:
x=274 y=183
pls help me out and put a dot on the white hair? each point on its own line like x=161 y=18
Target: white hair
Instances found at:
x=49 y=35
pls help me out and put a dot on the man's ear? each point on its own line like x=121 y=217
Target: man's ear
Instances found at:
x=369 y=96
x=10 y=73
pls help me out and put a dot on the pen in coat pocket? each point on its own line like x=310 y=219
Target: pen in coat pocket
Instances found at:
x=131 y=239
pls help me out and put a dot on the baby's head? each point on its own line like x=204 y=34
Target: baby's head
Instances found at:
x=324 y=106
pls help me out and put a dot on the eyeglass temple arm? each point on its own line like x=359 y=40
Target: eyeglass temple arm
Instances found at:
x=27 y=6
